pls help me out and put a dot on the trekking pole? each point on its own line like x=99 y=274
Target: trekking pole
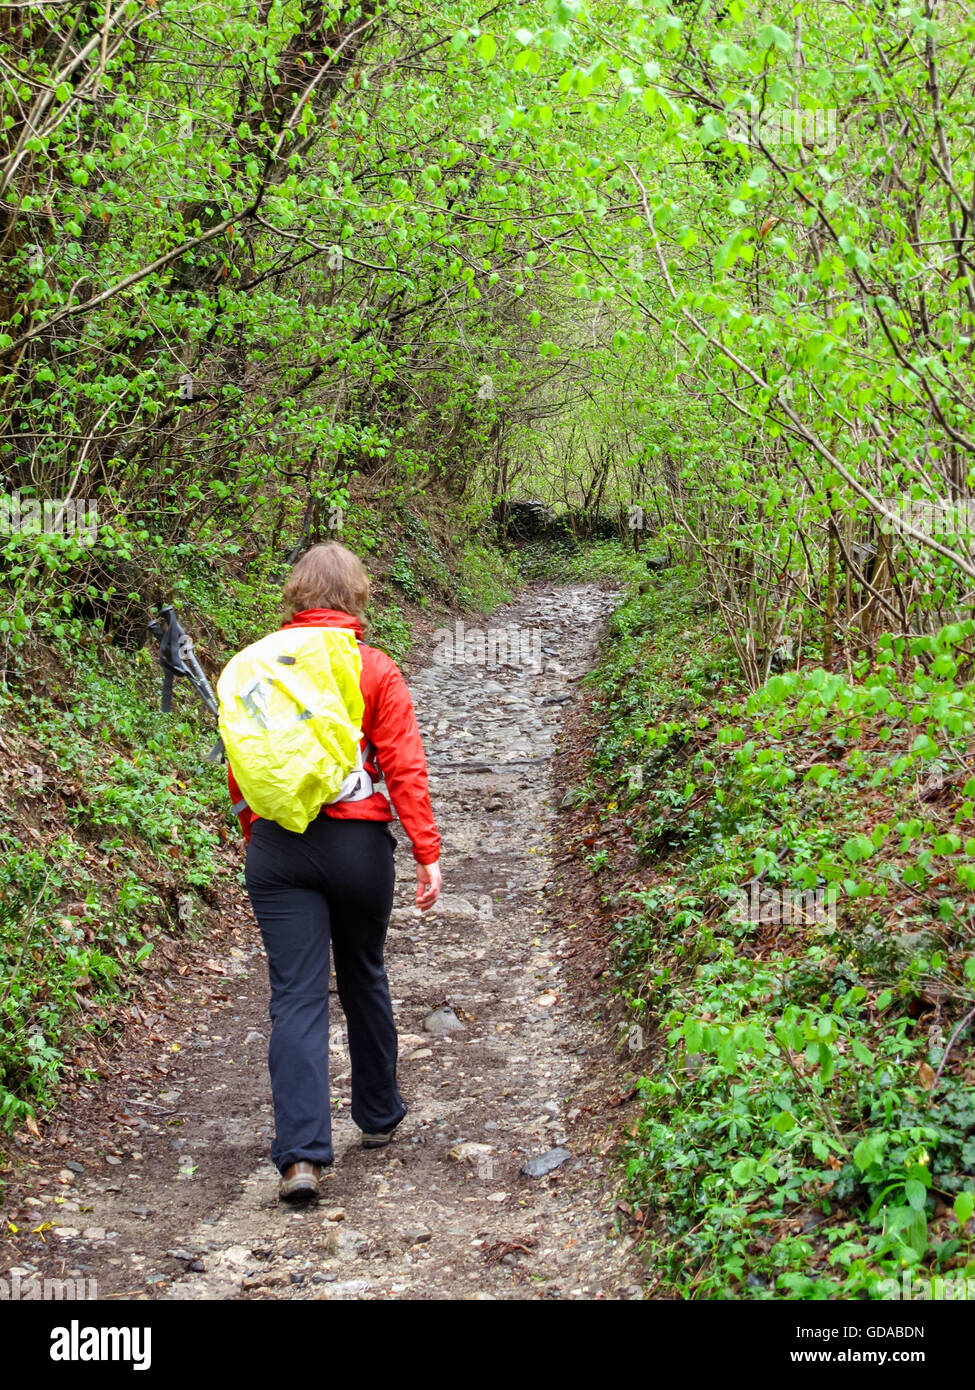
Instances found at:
x=177 y=658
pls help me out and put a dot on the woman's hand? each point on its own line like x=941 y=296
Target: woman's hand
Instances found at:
x=429 y=882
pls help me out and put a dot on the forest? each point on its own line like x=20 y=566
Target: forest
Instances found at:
x=666 y=300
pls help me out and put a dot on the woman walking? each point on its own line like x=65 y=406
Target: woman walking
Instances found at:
x=331 y=887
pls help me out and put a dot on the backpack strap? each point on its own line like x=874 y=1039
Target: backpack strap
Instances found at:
x=358 y=785
x=369 y=753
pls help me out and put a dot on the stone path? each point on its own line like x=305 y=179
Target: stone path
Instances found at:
x=509 y=1074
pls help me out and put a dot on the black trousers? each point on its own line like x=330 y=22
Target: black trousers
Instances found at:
x=330 y=886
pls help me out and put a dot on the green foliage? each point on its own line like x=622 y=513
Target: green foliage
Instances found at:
x=81 y=907
x=485 y=578
x=389 y=629
x=659 y=261
x=786 y=957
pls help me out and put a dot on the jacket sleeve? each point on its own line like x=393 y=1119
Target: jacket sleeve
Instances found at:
x=395 y=735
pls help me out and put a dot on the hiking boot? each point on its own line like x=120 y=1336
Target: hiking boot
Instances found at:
x=377 y=1141
x=301 y=1182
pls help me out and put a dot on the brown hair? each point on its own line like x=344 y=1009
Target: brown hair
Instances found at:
x=327 y=576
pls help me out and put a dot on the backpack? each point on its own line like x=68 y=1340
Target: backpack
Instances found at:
x=290 y=716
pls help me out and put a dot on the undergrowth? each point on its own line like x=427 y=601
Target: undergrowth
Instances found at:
x=791 y=879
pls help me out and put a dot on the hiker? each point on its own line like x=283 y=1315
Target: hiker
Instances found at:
x=332 y=884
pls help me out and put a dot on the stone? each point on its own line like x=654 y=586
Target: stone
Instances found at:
x=545 y=1163
x=350 y=1241
x=348 y=1288
x=912 y=943
x=468 y=1152
x=271 y=1278
x=443 y=1020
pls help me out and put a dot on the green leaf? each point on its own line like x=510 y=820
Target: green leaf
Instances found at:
x=916 y=1194
x=743 y=1171
x=964 y=1207
x=771 y=36
x=869 y=1151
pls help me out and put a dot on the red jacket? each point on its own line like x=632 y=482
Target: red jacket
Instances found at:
x=389 y=724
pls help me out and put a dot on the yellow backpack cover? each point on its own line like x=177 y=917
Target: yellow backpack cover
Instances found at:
x=290 y=716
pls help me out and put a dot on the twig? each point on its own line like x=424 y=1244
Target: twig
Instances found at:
x=954 y=1038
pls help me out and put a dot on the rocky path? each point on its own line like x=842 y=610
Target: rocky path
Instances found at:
x=496 y=1185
